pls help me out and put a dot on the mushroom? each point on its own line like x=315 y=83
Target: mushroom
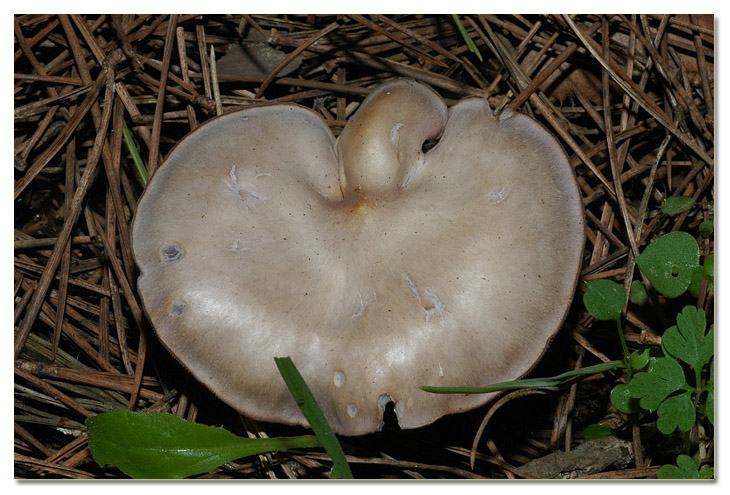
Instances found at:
x=377 y=266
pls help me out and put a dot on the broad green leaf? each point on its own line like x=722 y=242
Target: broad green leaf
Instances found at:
x=621 y=398
x=677 y=204
x=686 y=469
x=604 y=299
x=308 y=404
x=596 y=432
x=687 y=340
x=710 y=402
x=669 y=262
x=676 y=412
x=651 y=388
x=637 y=293
x=160 y=445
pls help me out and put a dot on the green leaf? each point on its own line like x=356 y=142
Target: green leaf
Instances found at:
x=687 y=340
x=710 y=402
x=552 y=381
x=677 y=204
x=160 y=445
x=651 y=388
x=686 y=469
x=707 y=472
x=621 y=398
x=138 y=162
x=669 y=262
x=710 y=268
x=469 y=42
x=604 y=299
x=596 y=432
x=308 y=404
x=707 y=271
x=706 y=228
x=695 y=282
x=640 y=358
x=637 y=293
x=677 y=411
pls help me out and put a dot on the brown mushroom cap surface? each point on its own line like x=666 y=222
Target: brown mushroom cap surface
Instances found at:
x=377 y=267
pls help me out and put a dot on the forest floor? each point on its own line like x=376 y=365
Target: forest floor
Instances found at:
x=631 y=99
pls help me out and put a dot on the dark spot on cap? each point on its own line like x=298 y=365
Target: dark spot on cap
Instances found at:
x=170 y=253
x=177 y=308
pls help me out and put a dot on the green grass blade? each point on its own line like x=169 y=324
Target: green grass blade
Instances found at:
x=132 y=147
x=163 y=446
x=528 y=382
x=469 y=42
x=308 y=404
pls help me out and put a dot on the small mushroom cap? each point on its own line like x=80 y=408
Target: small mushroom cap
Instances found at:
x=377 y=267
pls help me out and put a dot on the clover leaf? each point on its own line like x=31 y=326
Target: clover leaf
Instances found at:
x=707 y=472
x=669 y=262
x=664 y=377
x=675 y=412
x=686 y=469
x=687 y=340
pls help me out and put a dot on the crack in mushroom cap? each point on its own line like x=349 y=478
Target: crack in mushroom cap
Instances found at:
x=377 y=267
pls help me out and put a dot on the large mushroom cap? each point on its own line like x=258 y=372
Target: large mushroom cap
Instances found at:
x=377 y=267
